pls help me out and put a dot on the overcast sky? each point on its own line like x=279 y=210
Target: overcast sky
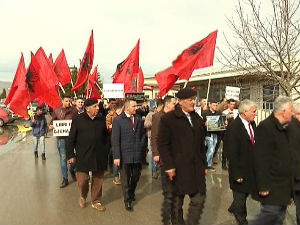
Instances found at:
x=165 y=28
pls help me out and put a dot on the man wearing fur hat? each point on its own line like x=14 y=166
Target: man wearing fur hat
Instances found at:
x=180 y=144
x=88 y=135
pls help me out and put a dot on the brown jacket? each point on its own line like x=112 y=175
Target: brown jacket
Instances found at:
x=109 y=119
x=148 y=123
x=154 y=131
x=62 y=113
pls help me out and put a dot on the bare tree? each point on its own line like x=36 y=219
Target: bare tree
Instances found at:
x=266 y=43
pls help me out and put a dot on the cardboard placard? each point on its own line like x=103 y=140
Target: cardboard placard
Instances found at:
x=232 y=93
x=113 y=90
x=61 y=128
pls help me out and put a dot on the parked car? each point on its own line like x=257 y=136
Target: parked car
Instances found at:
x=13 y=115
x=5 y=116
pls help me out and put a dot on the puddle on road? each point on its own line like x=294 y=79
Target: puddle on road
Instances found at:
x=12 y=134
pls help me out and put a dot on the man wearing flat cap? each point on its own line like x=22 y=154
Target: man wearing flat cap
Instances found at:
x=89 y=137
x=180 y=143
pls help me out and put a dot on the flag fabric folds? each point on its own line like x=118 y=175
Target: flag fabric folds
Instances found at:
x=91 y=89
x=127 y=70
x=140 y=81
x=18 y=80
x=61 y=68
x=165 y=80
x=85 y=64
x=28 y=90
x=199 y=55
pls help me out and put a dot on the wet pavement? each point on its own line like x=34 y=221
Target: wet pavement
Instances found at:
x=30 y=192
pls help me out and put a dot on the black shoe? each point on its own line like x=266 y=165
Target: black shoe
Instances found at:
x=43 y=156
x=128 y=206
x=73 y=175
x=36 y=155
x=64 y=183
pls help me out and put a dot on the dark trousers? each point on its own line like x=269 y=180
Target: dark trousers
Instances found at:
x=296 y=198
x=270 y=215
x=96 y=186
x=238 y=206
x=168 y=193
x=195 y=209
x=130 y=175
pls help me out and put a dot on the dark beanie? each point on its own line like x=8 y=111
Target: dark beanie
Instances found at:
x=90 y=101
x=186 y=93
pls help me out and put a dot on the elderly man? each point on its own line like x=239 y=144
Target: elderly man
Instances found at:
x=128 y=143
x=180 y=145
x=239 y=138
x=294 y=130
x=88 y=135
x=274 y=164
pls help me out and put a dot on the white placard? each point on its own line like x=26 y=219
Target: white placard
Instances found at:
x=232 y=93
x=113 y=90
x=61 y=127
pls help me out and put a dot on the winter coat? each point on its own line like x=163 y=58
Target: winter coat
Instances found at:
x=89 y=138
x=274 y=163
x=181 y=146
x=240 y=154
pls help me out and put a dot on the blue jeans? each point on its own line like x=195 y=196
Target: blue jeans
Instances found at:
x=210 y=142
x=41 y=141
x=61 y=147
x=270 y=215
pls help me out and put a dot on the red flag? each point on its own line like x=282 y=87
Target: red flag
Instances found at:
x=165 y=80
x=91 y=89
x=18 y=80
x=140 y=83
x=50 y=97
x=46 y=72
x=127 y=70
x=85 y=65
x=61 y=68
x=199 y=55
x=28 y=90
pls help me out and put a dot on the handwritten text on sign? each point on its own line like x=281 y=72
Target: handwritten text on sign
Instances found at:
x=232 y=92
x=61 y=127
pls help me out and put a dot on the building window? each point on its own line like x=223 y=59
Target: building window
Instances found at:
x=270 y=93
x=245 y=93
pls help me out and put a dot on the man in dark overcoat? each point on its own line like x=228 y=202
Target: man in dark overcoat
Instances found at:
x=180 y=144
x=89 y=137
x=128 y=143
x=239 y=138
x=294 y=134
x=274 y=164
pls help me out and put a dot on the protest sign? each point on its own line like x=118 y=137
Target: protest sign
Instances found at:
x=61 y=127
x=113 y=90
x=216 y=123
x=232 y=93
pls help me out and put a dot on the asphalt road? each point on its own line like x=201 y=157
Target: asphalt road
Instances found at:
x=30 y=192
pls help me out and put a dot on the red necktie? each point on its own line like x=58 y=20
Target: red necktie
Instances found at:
x=251 y=135
x=131 y=121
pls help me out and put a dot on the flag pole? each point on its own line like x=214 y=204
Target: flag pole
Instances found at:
x=63 y=90
x=209 y=80
x=185 y=83
x=98 y=86
x=72 y=87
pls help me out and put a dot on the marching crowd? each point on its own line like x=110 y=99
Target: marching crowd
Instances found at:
x=262 y=160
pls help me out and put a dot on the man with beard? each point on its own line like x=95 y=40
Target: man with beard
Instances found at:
x=180 y=145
